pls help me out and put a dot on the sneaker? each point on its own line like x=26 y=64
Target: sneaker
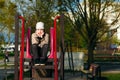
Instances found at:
x=37 y=64
x=42 y=64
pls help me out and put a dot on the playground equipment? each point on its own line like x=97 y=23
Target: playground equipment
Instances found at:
x=51 y=43
x=28 y=54
x=68 y=48
x=22 y=49
x=52 y=56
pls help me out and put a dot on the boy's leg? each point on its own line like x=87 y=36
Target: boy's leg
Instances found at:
x=35 y=53
x=44 y=51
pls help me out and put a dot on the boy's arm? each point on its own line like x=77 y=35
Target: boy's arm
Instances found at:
x=34 y=39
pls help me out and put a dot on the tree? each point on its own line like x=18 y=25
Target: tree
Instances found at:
x=89 y=19
x=7 y=12
x=36 y=10
x=1 y=39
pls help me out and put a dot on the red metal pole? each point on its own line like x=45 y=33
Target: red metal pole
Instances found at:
x=55 y=53
x=22 y=50
x=51 y=43
x=28 y=55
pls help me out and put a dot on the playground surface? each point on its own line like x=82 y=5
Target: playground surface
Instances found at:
x=108 y=67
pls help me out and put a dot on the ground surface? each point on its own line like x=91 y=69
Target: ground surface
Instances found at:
x=106 y=67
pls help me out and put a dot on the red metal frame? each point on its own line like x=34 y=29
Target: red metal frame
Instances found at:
x=22 y=49
x=51 y=43
x=28 y=54
x=55 y=51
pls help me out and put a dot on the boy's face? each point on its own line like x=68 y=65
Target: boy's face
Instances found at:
x=39 y=32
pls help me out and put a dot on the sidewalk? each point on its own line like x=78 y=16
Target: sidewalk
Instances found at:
x=5 y=71
x=110 y=67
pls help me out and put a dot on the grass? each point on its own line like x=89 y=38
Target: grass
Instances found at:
x=111 y=76
x=2 y=54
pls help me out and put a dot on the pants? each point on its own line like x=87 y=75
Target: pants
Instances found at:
x=39 y=54
x=6 y=58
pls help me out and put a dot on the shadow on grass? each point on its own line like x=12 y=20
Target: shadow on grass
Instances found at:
x=103 y=78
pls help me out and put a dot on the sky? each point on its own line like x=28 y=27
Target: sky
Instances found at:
x=12 y=36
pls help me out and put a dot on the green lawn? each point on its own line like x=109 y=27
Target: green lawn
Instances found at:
x=2 y=55
x=111 y=76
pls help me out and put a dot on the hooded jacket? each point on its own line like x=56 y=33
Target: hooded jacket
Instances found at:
x=40 y=41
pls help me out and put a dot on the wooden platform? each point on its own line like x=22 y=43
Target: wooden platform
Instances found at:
x=43 y=72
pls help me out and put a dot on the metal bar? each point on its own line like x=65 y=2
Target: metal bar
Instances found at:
x=71 y=57
x=62 y=46
x=22 y=49
x=28 y=54
x=55 y=46
x=16 y=45
x=51 y=43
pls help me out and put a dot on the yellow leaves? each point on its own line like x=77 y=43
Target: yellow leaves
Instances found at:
x=7 y=13
x=12 y=8
x=2 y=2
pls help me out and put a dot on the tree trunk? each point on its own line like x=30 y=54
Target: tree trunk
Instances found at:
x=90 y=54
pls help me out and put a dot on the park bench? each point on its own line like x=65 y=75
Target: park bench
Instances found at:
x=94 y=72
x=106 y=54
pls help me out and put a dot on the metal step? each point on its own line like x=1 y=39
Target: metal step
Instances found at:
x=29 y=60
x=50 y=60
x=44 y=67
x=47 y=79
x=38 y=79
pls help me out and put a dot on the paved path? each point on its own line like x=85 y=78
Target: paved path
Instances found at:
x=5 y=71
x=110 y=67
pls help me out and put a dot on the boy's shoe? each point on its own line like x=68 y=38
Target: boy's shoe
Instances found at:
x=42 y=64
x=37 y=64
